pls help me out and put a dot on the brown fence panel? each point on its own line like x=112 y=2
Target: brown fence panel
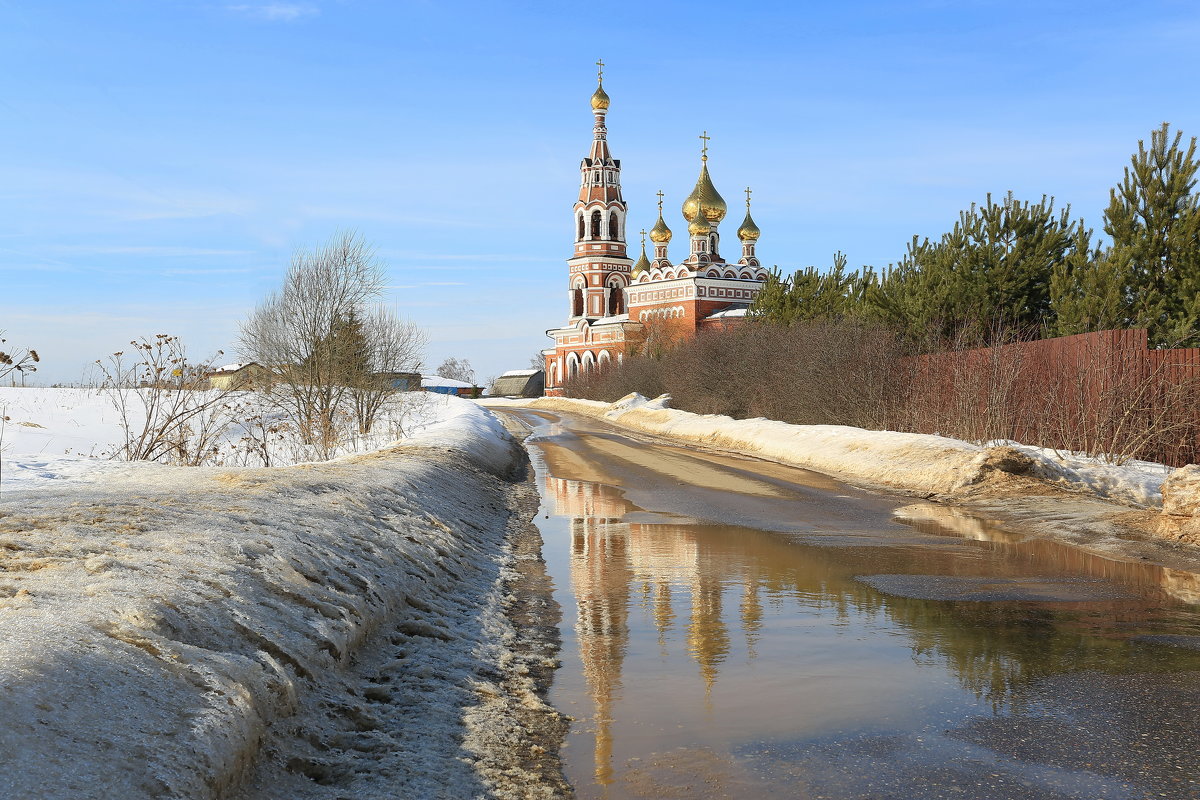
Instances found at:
x=1103 y=392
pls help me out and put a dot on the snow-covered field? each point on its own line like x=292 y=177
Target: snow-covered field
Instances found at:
x=190 y=631
x=69 y=434
x=908 y=461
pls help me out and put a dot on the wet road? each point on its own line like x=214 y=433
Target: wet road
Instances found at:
x=734 y=628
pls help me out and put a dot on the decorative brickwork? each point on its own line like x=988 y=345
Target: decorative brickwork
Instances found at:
x=614 y=304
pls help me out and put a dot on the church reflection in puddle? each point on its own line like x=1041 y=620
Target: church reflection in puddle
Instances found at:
x=714 y=659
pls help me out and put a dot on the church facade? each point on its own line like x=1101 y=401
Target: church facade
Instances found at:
x=617 y=304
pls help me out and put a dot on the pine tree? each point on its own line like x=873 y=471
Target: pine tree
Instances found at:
x=813 y=294
x=994 y=266
x=1154 y=221
x=1087 y=291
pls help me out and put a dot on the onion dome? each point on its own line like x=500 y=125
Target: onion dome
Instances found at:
x=749 y=232
x=705 y=196
x=699 y=225
x=660 y=233
x=600 y=99
x=643 y=263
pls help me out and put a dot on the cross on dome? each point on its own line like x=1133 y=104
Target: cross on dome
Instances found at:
x=704 y=149
x=600 y=70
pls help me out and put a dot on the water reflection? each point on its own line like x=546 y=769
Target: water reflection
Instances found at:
x=714 y=636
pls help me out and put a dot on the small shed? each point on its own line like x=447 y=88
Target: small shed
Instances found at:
x=251 y=375
x=402 y=381
x=520 y=383
x=436 y=383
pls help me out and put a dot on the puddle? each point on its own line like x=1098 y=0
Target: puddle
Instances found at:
x=760 y=632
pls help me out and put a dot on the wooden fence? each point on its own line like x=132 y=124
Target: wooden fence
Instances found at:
x=1103 y=392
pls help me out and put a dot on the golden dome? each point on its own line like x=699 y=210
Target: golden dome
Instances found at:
x=643 y=263
x=660 y=232
x=699 y=224
x=705 y=195
x=749 y=232
x=600 y=99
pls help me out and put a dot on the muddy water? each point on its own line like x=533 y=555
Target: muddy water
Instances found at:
x=739 y=629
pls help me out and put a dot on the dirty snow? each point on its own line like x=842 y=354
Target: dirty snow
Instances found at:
x=908 y=461
x=305 y=631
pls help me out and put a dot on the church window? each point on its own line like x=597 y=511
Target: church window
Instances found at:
x=581 y=226
x=614 y=231
x=577 y=302
x=596 y=224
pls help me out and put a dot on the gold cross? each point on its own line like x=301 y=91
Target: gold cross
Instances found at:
x=748 y=190
x=660 y=197
x=643 y=232
x=600 y=70
x=704 y=149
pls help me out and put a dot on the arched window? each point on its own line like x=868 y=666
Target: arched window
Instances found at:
x=616 y=298
x=596 y=217
x=712 y=247
x=577 y=301
x=581 y=225
x=614 y=231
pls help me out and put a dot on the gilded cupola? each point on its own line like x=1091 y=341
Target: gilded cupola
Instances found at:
x=748 y=232
x=660 y=233
x=600 y=97
x=643 y=263
x=705 y=195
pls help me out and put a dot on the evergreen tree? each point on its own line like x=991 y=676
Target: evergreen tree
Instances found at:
x=1087 y=291
x=813 y=294
x=1154 y=221
x=995 y=266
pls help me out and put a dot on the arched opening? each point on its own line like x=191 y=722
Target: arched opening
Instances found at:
x=616 y=298
x=588 y=363
x=712 y=246
x=572 y=365
x=603 y=360
x=577 y=300
x=614 y=229
x=581 y=226
x=596 y=217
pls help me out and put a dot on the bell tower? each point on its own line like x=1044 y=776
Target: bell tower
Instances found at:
x=600 y=268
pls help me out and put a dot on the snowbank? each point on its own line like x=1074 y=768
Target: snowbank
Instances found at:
x=906 y=461
x=156 y=620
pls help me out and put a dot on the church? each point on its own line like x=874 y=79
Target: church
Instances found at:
x=616 y=304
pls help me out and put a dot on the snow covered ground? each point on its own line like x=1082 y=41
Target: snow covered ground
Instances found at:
x=908 y=461
x=196 y=632
x=70 y=434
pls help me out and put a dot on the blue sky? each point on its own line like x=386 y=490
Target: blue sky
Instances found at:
x=161 y=159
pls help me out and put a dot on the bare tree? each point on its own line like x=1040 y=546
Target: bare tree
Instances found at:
x=457 y=369
x=390 y=345
x=326 y=346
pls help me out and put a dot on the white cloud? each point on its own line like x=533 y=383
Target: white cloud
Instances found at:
x=276 y=12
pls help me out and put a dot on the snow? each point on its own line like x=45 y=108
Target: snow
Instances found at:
x=520 y=373
x=728 y=313
x=170 y=631
x=70 y=434
x=1136 y=483
x=230 y=368
x=906 y=461
x=429 y=381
